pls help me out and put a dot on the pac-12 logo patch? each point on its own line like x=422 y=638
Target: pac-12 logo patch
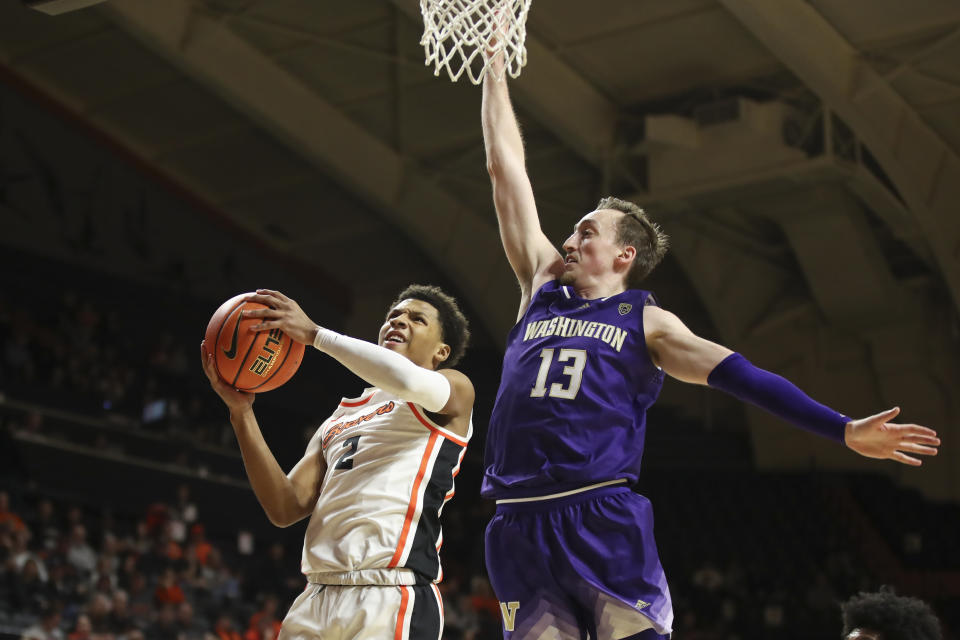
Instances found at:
x=641 y=605
x=624 y=308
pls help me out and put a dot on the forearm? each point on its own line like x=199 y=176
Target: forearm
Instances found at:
x=273 y=488
x=386 y=369
x=501 y=131
x=737 y=376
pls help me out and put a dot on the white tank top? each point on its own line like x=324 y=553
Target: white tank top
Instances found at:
x=390 y=470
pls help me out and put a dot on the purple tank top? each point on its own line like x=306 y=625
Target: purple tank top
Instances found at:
x=571 y=410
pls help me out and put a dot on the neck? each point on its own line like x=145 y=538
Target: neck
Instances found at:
x=595 y=290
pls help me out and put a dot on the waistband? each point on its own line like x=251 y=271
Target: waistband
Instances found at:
x=555 y=500
x=365 y=577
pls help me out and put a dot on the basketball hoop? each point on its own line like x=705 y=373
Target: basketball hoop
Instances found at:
x=457 y=36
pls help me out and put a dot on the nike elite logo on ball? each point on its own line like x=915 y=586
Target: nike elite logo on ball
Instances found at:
x=231 y=353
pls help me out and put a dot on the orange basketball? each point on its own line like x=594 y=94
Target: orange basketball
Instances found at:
x=246 y=360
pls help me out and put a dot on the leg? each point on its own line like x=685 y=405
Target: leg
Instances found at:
x=532 y=604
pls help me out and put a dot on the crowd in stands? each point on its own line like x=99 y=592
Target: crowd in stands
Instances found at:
x=746 y=557
x=66 y=573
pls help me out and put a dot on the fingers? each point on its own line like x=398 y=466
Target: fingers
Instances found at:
x=273 y=294
x=262 y=298
x=916 y=433
x=917 y=448
x=261 y=313
x=206 y=359
x=931 y=440
x=886 y=416
x=266 y=325
x=917 y=430
x=899 y=456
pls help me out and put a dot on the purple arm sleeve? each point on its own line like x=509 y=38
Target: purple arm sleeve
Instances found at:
x=738 y=377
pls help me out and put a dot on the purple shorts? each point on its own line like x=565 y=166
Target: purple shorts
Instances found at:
x=583 y=565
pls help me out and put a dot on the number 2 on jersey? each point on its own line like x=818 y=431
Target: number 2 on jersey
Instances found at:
x=346 y=460
x=573 y=371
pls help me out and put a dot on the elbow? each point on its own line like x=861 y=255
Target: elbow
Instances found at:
x=283 y=518
x=278 y=520
x=282 y=522
x=494 y=165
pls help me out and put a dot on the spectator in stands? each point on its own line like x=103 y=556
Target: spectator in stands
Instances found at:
x=141 y=599
x=120 y=620
x=47 y=627
x=45 y=526
x=8 y=517
x=883 y=615
x=187 y=626
x=80 y=554
x=264 y=624
x=165 y=626
x=168 y=590
x=20 y=553
x=83 y=629
x=198 y=548
x=28 y=592
x=226 y=629
x=98 y=610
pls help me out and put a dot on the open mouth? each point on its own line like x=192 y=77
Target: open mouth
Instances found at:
x=394 y=337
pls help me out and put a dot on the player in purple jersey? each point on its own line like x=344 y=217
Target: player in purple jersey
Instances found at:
x=570 y=550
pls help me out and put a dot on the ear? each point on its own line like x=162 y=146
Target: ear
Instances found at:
x=626 y=255
x=443 y=352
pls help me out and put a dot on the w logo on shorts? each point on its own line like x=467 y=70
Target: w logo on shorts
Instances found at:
x=509 y=612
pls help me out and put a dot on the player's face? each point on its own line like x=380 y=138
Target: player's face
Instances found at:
x=412 y=328
x=591 y=249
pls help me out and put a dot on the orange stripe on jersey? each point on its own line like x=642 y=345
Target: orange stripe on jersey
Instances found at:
x=436 y=592
x=357 y=403
x=412 y=506
x=435 y=429
x=404 y=598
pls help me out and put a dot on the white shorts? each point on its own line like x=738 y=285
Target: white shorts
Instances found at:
x=390 y=612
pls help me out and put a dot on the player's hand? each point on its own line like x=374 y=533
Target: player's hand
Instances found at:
x=237 y=401
x=876 y=437
x=284 y=314
x=499 y=34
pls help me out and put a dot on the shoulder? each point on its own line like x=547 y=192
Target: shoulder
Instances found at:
x=537 y=289
x=462 y=393
x=657 y=320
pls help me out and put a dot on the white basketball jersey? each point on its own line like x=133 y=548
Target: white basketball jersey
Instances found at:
x=390 y=470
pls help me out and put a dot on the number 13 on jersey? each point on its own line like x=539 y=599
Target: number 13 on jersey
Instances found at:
x=573 y=371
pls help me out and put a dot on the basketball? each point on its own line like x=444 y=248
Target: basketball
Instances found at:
x=247 y=360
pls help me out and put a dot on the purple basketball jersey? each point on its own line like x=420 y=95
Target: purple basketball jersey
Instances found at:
x=571 y=409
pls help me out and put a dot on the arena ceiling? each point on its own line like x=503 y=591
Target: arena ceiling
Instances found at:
x=803 y=156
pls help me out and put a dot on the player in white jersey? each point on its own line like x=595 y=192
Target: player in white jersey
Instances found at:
x=375 y=475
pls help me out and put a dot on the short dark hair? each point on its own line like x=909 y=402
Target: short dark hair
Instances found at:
x=454 y=328
x=636 y=230
x=894 y=617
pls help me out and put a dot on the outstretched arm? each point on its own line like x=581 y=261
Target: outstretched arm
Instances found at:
x=285 y=498
x=689 y=358
x=533 y=258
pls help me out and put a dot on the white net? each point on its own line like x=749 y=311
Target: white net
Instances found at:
x=458 y=34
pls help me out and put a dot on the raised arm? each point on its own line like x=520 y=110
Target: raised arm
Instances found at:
x=690 y=358
x=533 y=258
x=285 y=498
x=447 y=393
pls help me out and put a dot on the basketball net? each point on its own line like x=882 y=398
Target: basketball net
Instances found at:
x=457 y=36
